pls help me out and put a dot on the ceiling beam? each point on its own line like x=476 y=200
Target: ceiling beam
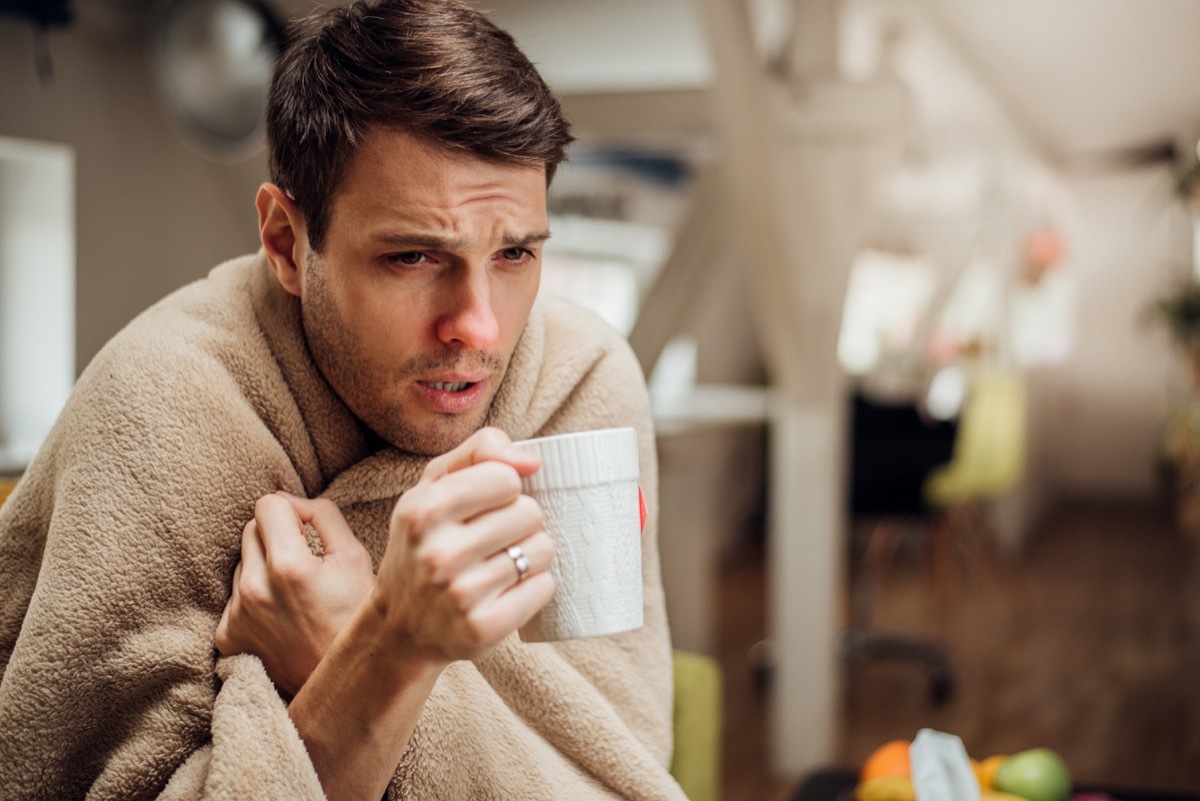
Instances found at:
x=1024 y=127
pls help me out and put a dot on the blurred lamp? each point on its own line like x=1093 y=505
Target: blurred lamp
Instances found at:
x=213 y=61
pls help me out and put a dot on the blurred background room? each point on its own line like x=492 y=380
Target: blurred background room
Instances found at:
x=913 y=283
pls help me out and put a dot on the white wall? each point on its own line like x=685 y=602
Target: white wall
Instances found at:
x=1099 y=415
x=613 y=45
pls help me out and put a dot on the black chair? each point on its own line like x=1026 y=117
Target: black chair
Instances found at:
x=893 y=450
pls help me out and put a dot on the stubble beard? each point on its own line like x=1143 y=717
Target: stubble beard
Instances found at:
x=373 y=390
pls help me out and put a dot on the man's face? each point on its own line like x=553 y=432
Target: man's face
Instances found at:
x=430 y=265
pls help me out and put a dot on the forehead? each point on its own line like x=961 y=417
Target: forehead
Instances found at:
x=396 y=173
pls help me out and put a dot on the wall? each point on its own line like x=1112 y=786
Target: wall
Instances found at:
x=629 y=44
x=1098 y=417
x=150 y=215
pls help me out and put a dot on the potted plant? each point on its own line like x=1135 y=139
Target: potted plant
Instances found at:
x=1187 y=185
x=1178 y=311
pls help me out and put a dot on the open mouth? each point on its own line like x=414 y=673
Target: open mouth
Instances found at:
x=450 y=386
x=454 y=397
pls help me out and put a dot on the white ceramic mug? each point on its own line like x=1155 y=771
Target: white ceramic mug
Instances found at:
x=588 y=490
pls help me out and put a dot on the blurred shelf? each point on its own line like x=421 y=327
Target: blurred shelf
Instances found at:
x=711 y=406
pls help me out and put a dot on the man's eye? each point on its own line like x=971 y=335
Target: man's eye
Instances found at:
x=515 y=254
x=409 y=259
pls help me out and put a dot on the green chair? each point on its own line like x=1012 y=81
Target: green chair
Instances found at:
x=696 y=763
x=989 y=453
x=988 y=461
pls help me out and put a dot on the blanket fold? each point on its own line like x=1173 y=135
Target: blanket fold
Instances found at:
x=117 y=550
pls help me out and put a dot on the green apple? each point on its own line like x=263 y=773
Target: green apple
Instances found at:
x=1037 y=774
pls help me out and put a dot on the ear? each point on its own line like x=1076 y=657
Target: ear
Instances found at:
x=281 y=228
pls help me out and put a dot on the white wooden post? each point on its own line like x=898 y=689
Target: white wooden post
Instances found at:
x=797 y=161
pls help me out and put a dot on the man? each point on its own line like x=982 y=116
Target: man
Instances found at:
x=352 y=391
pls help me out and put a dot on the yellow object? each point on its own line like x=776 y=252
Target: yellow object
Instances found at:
x=996 y=795
x=989 y=452
x=986 y=771
x=889 y=759
x=885 y=788
x=696 y=762
x=7 y=485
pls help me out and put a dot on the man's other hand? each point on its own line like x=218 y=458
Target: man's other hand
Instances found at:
x=288 y=604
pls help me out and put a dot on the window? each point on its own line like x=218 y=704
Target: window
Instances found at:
x=37 y=293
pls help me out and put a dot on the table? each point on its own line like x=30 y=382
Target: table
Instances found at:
x=836 y=785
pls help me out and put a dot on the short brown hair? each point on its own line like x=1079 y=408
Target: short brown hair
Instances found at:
x=436 y=69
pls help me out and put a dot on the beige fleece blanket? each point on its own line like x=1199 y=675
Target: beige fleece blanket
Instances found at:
x=118 y=545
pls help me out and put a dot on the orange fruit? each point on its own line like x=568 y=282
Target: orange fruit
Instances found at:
x=986 y=772
x=889 y=759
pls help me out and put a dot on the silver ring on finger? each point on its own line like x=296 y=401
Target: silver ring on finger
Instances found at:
x=520 y=561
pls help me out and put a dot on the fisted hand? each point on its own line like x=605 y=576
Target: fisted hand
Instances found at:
x=448 y=585
x=288 y=604
x=447 y=588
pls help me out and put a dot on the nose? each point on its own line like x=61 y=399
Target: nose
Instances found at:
x=469 y=320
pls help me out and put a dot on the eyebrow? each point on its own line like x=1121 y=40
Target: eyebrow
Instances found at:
x=433 y=242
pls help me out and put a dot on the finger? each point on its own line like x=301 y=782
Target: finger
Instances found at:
x=448 y=551
x=538 y=551
x=462 y=495
x=326 y=518
x=281 y=532
x=443 y=551
x=221 y=639
x=495 y=575
x=513 y=608
x=491 y=533
x=486 y=444
x=253 y=553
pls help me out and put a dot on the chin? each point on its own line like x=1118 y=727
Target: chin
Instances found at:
x=432 y=439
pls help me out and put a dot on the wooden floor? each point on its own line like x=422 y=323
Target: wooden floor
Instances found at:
x=1092 y=649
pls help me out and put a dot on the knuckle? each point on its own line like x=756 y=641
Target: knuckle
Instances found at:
x=436 y=466
x=435 y=563
x=414 y=515
x=264 y=503
x=506 y=478
x=251 y=591
x=480 y=631
x=287 y=570
x=492 y=437
x=460 y=595
x=531 y=509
